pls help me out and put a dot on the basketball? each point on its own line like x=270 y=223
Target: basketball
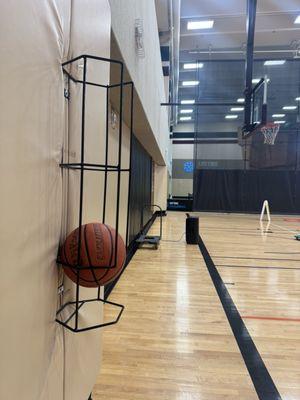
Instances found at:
x=98 y=244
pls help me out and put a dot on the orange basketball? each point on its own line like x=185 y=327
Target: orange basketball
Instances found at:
x=98 y=244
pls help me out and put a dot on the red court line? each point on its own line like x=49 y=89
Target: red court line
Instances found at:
x=271 y=318
x=291 y=219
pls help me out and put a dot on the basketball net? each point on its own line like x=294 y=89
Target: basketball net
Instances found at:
x=270 y=131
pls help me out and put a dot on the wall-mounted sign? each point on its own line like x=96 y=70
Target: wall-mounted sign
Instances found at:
x=139 y=37
x=188 y=166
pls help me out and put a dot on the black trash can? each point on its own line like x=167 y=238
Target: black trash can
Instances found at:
x=192 y=230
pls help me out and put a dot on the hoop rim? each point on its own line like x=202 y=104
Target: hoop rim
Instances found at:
x=270 y=125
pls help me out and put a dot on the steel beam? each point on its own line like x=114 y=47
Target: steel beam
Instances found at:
x=251 y=17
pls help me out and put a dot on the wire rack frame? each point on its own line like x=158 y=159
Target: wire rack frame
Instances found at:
x=71 y=321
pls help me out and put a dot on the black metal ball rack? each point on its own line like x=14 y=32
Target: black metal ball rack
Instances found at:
x=76 y=73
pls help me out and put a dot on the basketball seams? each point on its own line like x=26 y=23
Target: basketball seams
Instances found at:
x=72 y=247
x=111 y=252
x=117 y=268
x=99 y=254
x=88 y=255
x=69 y=269
x=99 y=241
x=111 y=244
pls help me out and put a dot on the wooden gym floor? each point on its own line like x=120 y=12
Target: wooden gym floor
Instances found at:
x=175 y=341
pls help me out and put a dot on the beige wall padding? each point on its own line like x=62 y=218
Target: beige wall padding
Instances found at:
x=39 y=359
x=160 y=186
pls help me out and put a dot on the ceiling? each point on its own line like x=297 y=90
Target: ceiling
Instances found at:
x=275 y=26
x=222 y=51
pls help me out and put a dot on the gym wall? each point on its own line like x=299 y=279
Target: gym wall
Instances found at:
x=151 y=126
x=151 y=120
x=39 y=359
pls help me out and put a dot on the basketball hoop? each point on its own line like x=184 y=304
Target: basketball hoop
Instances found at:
x=270 y=131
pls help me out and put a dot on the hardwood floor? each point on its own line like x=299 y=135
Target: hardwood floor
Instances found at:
x=174 y=340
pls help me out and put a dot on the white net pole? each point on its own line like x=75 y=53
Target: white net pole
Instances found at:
x=265 y=210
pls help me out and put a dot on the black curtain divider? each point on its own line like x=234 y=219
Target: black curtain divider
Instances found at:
x=141 y=186
x=245 y=190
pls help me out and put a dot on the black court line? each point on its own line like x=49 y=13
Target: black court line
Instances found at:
x=254 y=267
x=207 y=228
x=262 y=380
x=258 y=258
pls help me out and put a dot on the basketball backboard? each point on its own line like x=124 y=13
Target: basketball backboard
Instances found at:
x=256 y=106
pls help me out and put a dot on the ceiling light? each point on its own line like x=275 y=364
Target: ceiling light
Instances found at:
x=297 y=20
x=278 y=115
x=231 y=116
x=200 y=24
x=241 y=100
x=297 y=98
x=190 y=83
x=237 y=109
x=186 y=111
x=289 y=107
x=187 y=102
x=192 y=65
x=279 y=122
x=185 y=118
x=274 y=62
